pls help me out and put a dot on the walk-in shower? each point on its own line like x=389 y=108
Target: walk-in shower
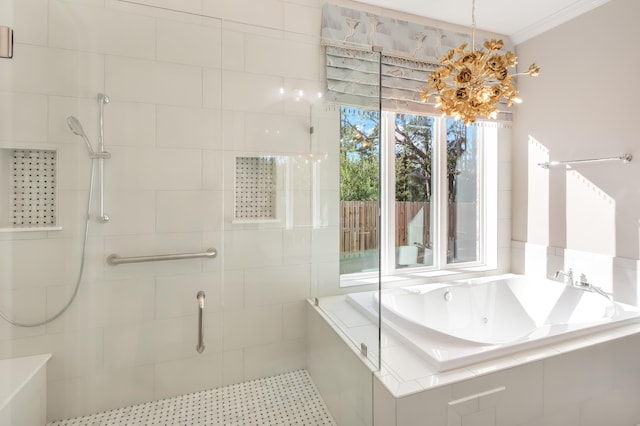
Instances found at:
x=197 y=135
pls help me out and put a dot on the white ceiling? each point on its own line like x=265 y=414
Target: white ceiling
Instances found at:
x=518 y=19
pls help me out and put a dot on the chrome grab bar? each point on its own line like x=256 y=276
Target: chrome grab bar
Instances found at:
x=200 y=347
x=114 y=259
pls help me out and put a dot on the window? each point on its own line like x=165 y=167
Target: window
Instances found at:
x=427 y=176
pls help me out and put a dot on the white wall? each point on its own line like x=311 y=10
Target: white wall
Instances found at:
x=187 y=94
x=582 y=105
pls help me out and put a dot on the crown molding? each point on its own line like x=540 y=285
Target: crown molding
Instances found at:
x=556 y=19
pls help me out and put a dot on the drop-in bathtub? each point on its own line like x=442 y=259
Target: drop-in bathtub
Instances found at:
x=456 y=324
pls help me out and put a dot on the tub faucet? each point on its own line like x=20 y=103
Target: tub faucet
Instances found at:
x=566 y=276
x=584 y=284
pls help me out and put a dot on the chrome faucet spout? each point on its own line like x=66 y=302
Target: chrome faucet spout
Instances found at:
x=566 y=276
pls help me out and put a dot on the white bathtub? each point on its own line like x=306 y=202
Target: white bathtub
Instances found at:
x=457 y=324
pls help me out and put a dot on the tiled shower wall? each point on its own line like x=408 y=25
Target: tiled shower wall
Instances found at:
x=188 y=95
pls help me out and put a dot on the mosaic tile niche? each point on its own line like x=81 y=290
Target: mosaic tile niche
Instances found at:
x=27 y=188
x=255 y=189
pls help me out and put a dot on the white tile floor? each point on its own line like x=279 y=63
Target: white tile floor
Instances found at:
x=285 y=399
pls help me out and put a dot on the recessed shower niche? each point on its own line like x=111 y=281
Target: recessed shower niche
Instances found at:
x=28 y=189
x=259 y=189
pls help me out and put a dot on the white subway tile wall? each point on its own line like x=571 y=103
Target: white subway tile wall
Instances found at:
x=29 y=114
x=188 y=94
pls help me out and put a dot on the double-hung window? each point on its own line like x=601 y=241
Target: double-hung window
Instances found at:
x=415 y=193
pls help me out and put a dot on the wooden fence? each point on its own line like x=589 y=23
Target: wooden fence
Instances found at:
x=360 y=223
x=406 y=211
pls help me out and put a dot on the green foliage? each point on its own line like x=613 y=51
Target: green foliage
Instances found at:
x=360 y=151
x=359 y=155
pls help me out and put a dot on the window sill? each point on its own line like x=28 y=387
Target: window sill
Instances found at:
x=399 y=279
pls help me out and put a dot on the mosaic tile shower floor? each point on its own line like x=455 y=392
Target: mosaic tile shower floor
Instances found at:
x=286 y=399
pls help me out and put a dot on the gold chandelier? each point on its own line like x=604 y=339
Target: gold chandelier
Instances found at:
x=469 y=84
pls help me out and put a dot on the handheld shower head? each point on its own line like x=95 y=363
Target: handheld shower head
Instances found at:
x=76 y=128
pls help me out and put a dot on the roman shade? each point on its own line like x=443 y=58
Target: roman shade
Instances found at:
x=406 y=53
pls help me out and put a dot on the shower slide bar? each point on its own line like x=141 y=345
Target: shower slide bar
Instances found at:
x=114 y=259
x=103 y=100
x=625 y=158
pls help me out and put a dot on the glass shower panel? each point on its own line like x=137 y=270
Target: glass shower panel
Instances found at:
x=359 y=190
x=346 y=207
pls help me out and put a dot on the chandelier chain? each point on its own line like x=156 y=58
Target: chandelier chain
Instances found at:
x=473 y=25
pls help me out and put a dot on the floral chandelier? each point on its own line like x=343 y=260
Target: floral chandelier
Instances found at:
x=469 y=84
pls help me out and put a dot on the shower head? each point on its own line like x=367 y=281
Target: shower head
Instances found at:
x=76 y=128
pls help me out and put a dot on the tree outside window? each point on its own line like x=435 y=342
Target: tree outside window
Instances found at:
x=414 y=204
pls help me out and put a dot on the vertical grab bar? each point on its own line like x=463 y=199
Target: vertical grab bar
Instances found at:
x=200 y=297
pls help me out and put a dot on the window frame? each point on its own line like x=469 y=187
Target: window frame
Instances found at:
x=486 y=195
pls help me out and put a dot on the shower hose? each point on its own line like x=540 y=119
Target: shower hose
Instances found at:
x=80 y=272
